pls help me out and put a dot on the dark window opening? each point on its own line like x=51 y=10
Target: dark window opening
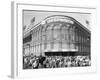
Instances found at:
x=27 y=39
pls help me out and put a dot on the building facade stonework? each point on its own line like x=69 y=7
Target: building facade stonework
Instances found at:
x=57 y=35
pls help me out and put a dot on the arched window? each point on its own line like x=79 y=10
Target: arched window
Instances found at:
x=49 y=32
x=56 y=31
x=43 y=32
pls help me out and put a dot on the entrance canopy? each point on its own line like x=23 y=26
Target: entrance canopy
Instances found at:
x=61 y=50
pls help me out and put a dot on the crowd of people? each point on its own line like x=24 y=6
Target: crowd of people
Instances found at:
x=35 y=62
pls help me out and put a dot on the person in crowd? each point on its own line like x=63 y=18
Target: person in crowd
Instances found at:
x=36 y=62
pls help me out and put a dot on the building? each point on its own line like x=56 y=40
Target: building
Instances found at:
x=57 y=35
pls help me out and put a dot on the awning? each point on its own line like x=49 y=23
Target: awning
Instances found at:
x=60 y=50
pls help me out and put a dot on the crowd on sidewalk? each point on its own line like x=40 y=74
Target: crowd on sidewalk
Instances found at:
x=35 y=62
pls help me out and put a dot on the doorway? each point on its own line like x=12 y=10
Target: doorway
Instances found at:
x=60 y=54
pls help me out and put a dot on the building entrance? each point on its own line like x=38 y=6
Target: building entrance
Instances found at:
x=60 y=53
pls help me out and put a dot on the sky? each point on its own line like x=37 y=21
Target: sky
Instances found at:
x=40 y=15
